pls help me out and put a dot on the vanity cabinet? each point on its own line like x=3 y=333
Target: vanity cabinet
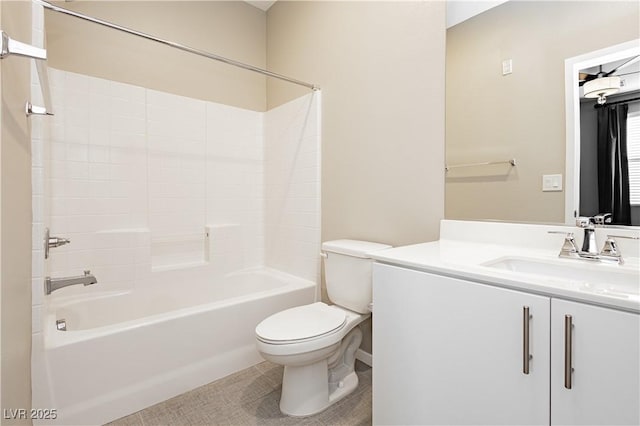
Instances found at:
x=447 y=351
x=450 y=351
x=604 y=353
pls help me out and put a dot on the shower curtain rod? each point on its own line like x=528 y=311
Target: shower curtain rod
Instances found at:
x=179 y=46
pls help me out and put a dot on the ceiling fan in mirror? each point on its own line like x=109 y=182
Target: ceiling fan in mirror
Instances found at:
x=599 y=83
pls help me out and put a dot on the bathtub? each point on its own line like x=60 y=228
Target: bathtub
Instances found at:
x=124 y=351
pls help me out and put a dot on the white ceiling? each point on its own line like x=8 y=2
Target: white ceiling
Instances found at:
x=457 y=10
x=461 y=10
x=261 y=4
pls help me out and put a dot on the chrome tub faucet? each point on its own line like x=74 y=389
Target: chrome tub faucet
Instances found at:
x=53 y=284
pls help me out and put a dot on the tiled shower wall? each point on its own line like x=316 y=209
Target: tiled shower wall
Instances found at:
x=126 y=161
x=143 y=181
x=292 y=182
x=37 y=180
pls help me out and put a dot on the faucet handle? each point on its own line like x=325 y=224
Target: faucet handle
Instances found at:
x=52 y=242
x=569 y=248
x=584 y=222
x=626 y=237
x=610 y=248
x=602 y=218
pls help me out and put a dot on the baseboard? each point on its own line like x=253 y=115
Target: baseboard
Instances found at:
x=365 y=357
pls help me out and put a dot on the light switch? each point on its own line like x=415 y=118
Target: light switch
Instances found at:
x=507 y=66
x=552 y=183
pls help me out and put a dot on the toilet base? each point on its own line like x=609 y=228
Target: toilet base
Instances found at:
x=310 y=389
x=313 y=397
x=349 y=384
x=304 y=389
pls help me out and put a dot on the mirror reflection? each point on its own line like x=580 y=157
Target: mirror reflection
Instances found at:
x=505 y=99
x=610 y=141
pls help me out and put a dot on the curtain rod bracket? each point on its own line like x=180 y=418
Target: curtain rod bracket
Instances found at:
x=8 y=46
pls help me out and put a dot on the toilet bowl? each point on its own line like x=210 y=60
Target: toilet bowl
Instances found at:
x=312 y=349
x=317 y=343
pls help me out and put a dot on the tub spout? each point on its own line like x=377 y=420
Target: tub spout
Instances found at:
x=53 y=284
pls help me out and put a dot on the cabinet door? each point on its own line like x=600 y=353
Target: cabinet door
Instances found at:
x=605 y=383
x=448 y=351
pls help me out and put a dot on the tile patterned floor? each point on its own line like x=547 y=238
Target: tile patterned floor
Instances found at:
x=251 y=397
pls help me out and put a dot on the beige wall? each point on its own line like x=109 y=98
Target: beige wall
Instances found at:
x=1 y=126
x=380 y=67
x=15 y=213
x=522 y=115
x=232 y=29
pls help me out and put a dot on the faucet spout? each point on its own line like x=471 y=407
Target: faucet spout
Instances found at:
x=53 y=284
x=589 y=245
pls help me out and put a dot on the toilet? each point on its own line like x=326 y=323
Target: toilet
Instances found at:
x=317 y=343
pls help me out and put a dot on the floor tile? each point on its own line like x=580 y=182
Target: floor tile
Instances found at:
x=355 y=409
x=252 y=397
x=132 y=420
x=272 y=371
x=248 y=387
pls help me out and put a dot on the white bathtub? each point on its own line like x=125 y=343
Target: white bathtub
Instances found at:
x=123 y=352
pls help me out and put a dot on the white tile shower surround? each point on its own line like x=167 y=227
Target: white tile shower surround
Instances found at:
x=292 y=176
x=37 y=181
x=125 y=161
x=141 y=180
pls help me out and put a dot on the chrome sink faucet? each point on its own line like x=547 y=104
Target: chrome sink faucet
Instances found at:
x=589 y=251
x=53 y=284
x=589 y=225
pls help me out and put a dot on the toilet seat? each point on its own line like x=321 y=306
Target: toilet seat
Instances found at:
x=301 y=324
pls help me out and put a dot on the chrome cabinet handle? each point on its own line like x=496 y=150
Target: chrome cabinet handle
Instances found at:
x=526 y=356
x=568 y=325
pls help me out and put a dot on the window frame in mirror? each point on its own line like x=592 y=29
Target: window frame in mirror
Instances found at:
x=572 y=115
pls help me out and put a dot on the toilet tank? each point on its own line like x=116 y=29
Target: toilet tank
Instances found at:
x=347 y=270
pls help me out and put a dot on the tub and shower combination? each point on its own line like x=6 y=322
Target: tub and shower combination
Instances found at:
x=198 y=220
x=124 y=351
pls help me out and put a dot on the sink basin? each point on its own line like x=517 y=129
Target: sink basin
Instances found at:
x=610 y=280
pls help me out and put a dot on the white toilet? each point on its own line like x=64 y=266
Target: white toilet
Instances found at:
x=317 y=343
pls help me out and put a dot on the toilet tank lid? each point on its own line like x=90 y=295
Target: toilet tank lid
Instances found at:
x=354 y=248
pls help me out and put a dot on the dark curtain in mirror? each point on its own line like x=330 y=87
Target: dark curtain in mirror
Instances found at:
x=613 y=168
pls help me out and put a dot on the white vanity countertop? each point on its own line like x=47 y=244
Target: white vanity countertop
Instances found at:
x=465 y=259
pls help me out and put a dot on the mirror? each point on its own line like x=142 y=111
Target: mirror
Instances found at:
x=505 y=99
x=603 y=167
